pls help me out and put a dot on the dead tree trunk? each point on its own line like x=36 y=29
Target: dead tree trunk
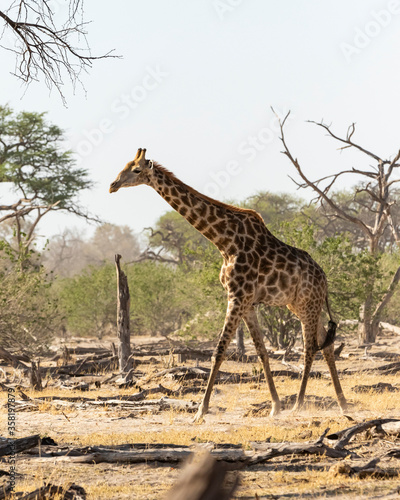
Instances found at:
x=124 y=334
x=240 y=341
x=36 y=377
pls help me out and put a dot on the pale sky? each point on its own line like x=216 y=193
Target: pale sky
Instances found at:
x=195 y=84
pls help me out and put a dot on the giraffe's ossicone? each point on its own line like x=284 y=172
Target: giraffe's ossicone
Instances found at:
x=257 y=268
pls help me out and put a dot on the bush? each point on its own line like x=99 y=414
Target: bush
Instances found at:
x=89 y=301
x=29 y=315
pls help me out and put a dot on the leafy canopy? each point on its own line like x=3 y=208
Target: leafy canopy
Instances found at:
x=32 y=158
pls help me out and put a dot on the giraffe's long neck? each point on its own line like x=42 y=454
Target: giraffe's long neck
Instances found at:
x=208 y=217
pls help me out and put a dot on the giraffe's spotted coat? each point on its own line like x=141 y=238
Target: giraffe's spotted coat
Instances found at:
x=257 y=268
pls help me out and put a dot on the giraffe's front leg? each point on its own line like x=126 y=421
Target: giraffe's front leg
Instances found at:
x=232 y=320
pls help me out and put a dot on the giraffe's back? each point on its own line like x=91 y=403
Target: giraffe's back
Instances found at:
x=276 y=273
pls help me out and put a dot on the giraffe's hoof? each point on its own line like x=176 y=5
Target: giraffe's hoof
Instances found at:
x=276 y=409
x=199 y=417
x=296 y=408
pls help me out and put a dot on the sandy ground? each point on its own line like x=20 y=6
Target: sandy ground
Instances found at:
x=285 y=477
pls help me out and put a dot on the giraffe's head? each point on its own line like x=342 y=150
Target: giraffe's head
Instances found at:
x=135 y=172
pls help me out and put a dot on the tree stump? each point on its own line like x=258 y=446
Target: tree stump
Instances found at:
x=123 y=306
x=240 y=349
x=35 y=376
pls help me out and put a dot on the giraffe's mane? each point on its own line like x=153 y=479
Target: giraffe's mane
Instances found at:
x=233 y=208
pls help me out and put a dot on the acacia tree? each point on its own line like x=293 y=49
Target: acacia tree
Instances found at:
x=46 y=47
x=173 y=241
x=42 y=176
x=376 y=195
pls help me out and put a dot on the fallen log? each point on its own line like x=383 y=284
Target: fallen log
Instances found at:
x=78 y=350
x=174 y=454
x=81 y=386
x=237 y=457
x=309 y=448
x=130 y=457
x=393 y=453
x=370 y=469
x=54 y=450
x=203 y=354
x=146 y=406
x=282 y=449
x=83 y=367
x=345 y=435
x=181 y=373
x=94 y=357
x=287 y=402
x=139 y=396
x=71 y=492
x=13 y=360
x=391 y=428
x=379 y=388
x=389 y=327
x=388 y=369
x=13 y=446
x=177 y=454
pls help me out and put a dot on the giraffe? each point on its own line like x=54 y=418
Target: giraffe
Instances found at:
x=257 y=268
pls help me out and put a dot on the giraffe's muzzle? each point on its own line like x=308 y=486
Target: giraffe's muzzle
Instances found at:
x=114 y=187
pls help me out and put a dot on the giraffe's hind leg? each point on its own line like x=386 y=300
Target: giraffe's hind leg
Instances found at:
x=329 y=356
x=250 y=318
x=310 y=331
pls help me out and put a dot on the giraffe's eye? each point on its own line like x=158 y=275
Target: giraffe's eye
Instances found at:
x=137 y=170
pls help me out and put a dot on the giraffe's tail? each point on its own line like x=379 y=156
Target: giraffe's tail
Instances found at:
x=331 y=333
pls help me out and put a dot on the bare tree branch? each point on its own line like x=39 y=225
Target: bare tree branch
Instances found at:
x=349 y=143
x=44 y=49
x=374 y=199
x=322 y=194
x=149 y=254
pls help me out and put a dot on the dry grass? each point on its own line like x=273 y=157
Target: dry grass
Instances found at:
x=224 y=424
